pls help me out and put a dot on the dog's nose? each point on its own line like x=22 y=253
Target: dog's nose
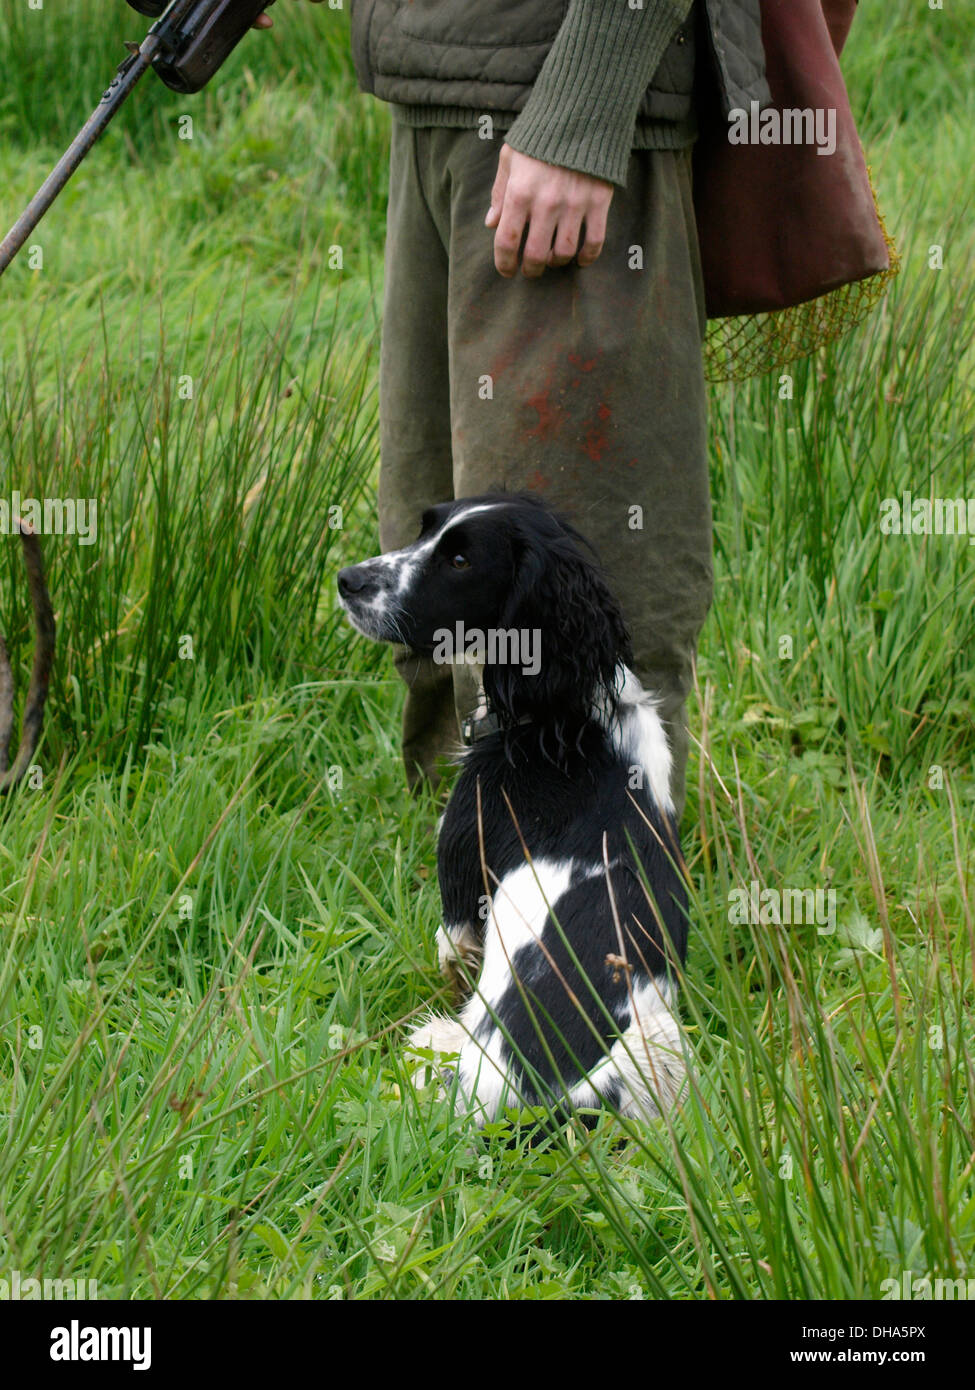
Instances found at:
x=354 y=580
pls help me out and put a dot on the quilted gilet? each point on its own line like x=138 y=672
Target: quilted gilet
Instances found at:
x=485 y=54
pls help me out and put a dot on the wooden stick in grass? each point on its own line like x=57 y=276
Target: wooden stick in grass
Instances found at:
x=40 y=675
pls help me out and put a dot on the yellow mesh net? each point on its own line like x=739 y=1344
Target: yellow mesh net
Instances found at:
x=752 y=344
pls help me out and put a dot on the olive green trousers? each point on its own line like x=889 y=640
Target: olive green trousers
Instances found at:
x=585 y=385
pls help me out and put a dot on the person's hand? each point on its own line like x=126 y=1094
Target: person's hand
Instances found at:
x=264 y=21
x=564 y=211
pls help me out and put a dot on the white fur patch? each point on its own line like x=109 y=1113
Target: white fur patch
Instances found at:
x=646 y=1062
x=519 y=911
x=444 y=1036
x=640 y=739
x=405 y=562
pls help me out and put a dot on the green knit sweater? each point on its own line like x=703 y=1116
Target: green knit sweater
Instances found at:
x=583 y=109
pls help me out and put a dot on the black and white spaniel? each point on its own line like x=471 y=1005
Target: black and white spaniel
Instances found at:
x=559 y=867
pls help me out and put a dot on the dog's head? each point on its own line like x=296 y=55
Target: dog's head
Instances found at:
x=503 y=581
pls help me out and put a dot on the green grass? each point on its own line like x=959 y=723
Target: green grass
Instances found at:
x=219 y=907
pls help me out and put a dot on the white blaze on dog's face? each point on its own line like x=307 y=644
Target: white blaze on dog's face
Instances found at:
x=457 y=571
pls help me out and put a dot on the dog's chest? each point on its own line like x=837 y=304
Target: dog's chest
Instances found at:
x=498 y=818
x=484 y=835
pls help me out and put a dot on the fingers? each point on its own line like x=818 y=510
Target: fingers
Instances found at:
x=594 y=235
x=545 y=215
x=567 y=237
x=509 y=214
x=522 y=212
x=543 y=227
x=512 y=222
x=498 y=191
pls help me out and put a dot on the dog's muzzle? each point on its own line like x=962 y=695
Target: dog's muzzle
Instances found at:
x=364 y=594
x=359 y=583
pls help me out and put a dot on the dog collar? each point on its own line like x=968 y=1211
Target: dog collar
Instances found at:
x=477 y=726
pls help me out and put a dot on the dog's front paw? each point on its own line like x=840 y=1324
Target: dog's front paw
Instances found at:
x=459 y=954
x=427 y=1048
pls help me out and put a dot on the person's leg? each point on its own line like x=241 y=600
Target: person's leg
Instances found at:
x=414 y=427
x=587 y=386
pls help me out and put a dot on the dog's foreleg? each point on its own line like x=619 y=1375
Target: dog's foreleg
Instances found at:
x=643 y=1075
x=444 y=1037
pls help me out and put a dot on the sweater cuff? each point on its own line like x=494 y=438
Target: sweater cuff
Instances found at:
x=583 y=106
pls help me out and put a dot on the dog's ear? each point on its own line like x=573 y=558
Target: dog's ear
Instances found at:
x=575 y=629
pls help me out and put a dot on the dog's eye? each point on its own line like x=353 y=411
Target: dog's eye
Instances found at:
x=460 y=562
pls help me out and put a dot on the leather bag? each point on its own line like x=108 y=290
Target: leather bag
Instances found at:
x=782 y=224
